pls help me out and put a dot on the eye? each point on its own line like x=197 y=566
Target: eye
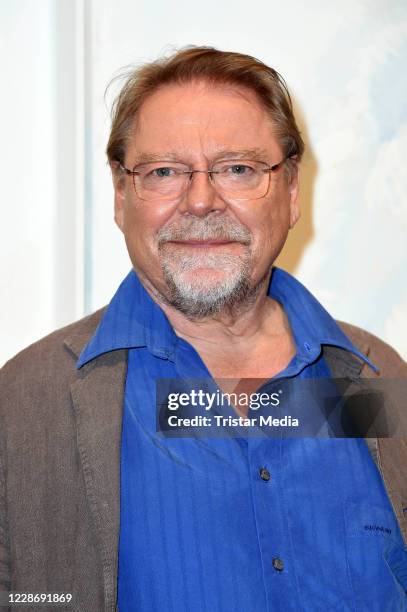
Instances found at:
x=164 y=172
x=240 y=169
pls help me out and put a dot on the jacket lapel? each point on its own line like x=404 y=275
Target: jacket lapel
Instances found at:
x=97 y=397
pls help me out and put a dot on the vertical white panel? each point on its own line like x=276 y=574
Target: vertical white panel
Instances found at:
x=70 y=86
x=28 y=173
x=42 y=166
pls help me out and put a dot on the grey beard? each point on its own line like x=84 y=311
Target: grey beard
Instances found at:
x=194 y=298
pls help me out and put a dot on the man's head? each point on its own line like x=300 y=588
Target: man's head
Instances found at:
x=205 y=242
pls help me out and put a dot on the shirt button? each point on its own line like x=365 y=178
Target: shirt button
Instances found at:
x=278 y=564
x=264 y=474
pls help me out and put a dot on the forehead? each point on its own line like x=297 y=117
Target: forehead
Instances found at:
x=200 y=119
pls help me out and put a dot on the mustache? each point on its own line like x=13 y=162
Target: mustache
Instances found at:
x=204 y=229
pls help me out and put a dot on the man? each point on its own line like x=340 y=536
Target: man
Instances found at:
x=204 y=152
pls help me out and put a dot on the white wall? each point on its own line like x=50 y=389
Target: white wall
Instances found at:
x=344 y=63
x=28 y=173
x=42 y=169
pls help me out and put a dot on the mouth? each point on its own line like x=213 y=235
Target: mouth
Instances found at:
x=202 y=244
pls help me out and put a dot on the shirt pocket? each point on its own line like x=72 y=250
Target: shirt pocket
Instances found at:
x=372 y=541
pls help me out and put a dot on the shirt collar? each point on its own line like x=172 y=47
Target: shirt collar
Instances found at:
x=133 y=319
x=312 y=326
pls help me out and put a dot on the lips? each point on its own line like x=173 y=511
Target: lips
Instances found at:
x=201 y=243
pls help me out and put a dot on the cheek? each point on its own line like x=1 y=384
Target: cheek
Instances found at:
x=141 y=223
x=267 y=221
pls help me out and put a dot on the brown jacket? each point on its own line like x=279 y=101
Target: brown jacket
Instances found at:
x=60 y=432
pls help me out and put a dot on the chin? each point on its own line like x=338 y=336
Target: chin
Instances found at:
x=202 y=292
x=206 y=277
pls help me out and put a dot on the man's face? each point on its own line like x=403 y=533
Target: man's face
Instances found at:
x=203 y=252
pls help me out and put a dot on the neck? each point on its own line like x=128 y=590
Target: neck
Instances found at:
x=235 y=325
x=253 y=341
x=229 y=325
x=250 y=347
x=240 y=320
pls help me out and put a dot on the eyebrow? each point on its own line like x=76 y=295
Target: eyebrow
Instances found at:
x=256 y=154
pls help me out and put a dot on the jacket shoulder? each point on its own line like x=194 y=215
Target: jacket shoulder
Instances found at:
x=54 y=354
x=389 y=362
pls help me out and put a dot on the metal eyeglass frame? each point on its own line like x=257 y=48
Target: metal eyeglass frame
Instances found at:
x=272 y=168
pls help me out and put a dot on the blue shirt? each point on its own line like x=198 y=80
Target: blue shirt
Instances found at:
x=201 y=528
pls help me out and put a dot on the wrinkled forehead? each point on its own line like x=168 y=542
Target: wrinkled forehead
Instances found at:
x=201 y=117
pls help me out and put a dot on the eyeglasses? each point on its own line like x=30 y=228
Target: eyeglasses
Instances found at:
x=236 y=179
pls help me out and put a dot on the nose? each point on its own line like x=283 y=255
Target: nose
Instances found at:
x=201 y=197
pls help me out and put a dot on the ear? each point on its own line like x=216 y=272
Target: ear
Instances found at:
x=294 y=186
x=119 y=194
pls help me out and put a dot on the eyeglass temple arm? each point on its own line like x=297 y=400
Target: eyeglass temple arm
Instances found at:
x=277 y=166
x=126 y=170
